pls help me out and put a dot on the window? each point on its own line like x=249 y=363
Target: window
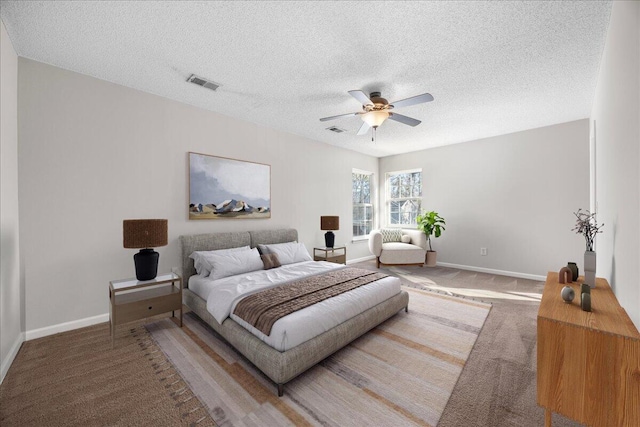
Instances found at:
x=361 y=183
x=404 y=196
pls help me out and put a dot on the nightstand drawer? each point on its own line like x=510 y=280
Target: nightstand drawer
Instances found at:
x=141 y=308
x=132 y=299
x=336 y=255
x=338 y=259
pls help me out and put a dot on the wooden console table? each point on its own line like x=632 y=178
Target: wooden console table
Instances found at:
x=588 y=362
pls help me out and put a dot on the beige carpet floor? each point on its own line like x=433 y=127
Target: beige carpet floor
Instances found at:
x=76 y=379
x=400 y=373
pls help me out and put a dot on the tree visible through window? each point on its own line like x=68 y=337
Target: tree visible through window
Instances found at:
x=362 y=205
x=404 y=196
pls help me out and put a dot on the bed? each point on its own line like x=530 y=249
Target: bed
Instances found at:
x=281 y=360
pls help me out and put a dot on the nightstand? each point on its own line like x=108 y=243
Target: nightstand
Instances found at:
x=134 y=300
x=337 y=255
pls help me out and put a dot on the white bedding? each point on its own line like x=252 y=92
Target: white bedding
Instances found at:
x=222 y=295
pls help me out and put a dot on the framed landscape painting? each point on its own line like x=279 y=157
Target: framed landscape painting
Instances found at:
x=222 y=188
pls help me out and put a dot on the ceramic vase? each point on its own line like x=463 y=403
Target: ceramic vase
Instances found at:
x=590 y=268
x=574 y=270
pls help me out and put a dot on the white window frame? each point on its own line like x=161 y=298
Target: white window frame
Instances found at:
x=389 y=200
x=370 y=205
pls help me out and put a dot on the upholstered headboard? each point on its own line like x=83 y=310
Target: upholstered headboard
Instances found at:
x=214 y=241
x=270 y=237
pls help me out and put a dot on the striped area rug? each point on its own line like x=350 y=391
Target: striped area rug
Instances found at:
x=400 y=373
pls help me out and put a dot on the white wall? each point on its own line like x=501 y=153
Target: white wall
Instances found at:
x=93 y=153
x=512 y=194
x=616 y=112
x=11 y=291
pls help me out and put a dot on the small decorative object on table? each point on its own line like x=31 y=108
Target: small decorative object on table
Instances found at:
x=586 y=302
x=587 y=225
x=585 y=297
x=568 y=294
x=574 y=271
x=565 y=275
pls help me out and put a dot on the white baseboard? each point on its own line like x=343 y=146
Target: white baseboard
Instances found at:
x=6 y=364
x=366 y=258
x=493 y=271
x=66 y=326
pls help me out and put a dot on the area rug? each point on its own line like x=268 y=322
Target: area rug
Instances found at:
x=74 y=378
x=400 y=373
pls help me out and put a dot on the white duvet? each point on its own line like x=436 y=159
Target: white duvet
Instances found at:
x=222 y=295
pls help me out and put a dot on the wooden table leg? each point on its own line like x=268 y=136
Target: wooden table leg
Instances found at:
x=547 y=418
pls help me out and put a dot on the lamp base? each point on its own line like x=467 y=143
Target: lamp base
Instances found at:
x=329 y=239
x=146 y=264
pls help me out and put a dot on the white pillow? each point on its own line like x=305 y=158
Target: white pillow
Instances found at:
x=288 y=253
x=405 y=238
x=203 y=267
x=232 y=263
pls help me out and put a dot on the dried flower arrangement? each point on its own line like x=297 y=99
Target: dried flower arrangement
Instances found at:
x=587 y=225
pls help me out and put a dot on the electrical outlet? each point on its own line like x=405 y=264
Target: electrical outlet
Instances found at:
x=483 y=251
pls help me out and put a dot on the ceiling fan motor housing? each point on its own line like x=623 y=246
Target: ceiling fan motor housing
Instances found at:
x=379 y=103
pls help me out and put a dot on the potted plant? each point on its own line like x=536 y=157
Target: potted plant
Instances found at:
x=587 y=225
x=431 y=224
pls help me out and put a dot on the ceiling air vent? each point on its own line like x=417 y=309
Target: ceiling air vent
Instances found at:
x=336 y=129
x=203 y=82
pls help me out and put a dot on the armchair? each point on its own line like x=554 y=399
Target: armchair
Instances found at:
x=412 y=252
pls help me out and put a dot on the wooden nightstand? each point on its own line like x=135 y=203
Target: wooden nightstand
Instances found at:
x=133 y=300
x=337 y=255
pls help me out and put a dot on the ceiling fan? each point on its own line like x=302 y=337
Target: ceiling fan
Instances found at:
x=375 y=110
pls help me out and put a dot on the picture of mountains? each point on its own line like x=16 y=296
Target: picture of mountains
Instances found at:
x=228 y=208
x=227 y=188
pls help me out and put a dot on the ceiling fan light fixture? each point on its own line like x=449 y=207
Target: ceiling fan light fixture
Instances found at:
x=375 y=118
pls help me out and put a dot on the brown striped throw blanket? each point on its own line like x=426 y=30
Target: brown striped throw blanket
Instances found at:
x=262 y=309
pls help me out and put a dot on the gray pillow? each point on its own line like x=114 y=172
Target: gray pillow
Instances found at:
x=270 y=261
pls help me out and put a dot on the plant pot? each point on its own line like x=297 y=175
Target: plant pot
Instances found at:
x=590 y=268
x=430 y=260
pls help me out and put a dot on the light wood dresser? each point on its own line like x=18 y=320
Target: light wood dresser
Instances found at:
x=588 y=362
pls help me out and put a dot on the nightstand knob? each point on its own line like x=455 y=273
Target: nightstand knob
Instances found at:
x=150 y=307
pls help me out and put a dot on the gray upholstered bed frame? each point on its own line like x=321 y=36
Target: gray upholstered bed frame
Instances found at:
x=280 y=367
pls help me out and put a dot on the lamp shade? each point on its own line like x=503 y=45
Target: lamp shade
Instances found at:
x=144 y=233
x=375 y=118
x=329 y=223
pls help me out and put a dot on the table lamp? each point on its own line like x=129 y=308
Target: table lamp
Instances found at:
x=329 y=223
x=145 y=234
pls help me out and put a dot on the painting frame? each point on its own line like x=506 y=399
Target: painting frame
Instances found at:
x=227 y=188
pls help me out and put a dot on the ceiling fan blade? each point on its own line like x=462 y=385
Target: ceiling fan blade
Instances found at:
x=363 y=129
x=361 y=97
x=418 y=99
x=404 y=119
x=324 y=119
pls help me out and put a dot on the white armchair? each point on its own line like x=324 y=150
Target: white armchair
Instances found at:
x=412 y=252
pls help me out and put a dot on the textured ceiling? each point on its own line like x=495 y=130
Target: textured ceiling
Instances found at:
x=492 y=67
